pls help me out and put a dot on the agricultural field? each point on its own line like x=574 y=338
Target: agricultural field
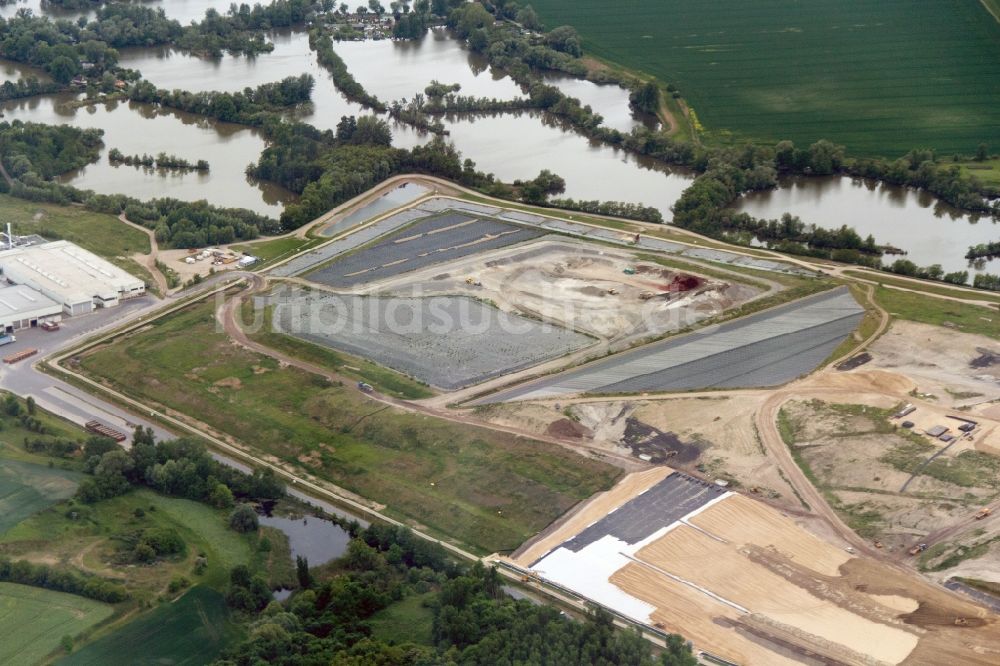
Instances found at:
x=485 y=489
x=188 y=632
x=27 y=488
x=783 y=69
x=33 y=621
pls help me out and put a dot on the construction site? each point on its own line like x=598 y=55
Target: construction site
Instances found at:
x=738 y=577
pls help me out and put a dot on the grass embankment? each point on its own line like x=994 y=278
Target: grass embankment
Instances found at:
x=33 y=621
x=787 y=70
x=628 y=227
x=485 y=489
x=271 y=251
x=927 y=287
x=192 y=631
x=385 y=380
x=939 y=312
x=869 y=324
x=104 y=235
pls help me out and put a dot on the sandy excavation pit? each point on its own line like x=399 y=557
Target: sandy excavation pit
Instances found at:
x=582 y=287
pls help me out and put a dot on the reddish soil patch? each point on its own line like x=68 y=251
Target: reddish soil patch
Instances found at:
x=568 y=429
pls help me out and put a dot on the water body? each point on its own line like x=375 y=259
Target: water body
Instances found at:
x=184 y=11
x=12 y=71
x=516 y=146
x=399 y=70
x=313 y=538
x=141 y=128
x=610 y=100
x=930 y=231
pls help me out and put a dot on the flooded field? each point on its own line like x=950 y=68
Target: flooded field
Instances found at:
x=141 y=128
x=931 y=232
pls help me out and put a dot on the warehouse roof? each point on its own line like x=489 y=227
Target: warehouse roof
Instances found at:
x=66 y=269
x=19 y=298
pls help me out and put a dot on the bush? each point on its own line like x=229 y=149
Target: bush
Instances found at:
x=244 y=519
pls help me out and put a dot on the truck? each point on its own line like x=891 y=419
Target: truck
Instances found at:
x=919 y=548
x=983 y=513
x=7 y=338
x=99 y=428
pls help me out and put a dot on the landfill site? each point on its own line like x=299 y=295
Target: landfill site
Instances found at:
x=454 y=298
x=786 y=500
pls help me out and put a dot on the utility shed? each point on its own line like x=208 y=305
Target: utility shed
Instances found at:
x=937 y=431
x=75 y=278
x=23 y=307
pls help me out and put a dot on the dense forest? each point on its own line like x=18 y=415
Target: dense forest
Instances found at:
x=33 y=150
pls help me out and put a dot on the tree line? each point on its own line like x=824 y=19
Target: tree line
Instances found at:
x=161 y=161
x=27 y=86
x=322 y=44
x=248 y=107
x=473 y=620
x=179 y=468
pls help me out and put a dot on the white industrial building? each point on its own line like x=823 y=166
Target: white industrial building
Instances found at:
x=73 y=277
x=23 y=307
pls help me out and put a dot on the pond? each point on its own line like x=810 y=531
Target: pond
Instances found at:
x=140 y=128
x=316 y=539
x=930 y=231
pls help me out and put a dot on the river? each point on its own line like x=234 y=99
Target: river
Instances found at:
x=929 y=230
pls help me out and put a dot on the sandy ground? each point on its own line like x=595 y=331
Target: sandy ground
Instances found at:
x=732 y=575
x=589 y=512
x=938 y=360
x=174 y=260
x=579 y=286
x=746 y=583
x=720 y=427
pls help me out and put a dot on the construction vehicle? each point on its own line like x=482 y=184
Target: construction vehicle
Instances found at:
x=612 y=292
x=646 y=295
x=919 y=548
x=983 y=513
x=877 y=543
x=473 y=282
x=365 y=387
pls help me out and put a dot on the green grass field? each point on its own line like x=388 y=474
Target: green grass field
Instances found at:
x=406 y=621
x=87 y=541
x=269 y=251
x=939 y=312
x=879 y=76
x=191 y=631
x=487 y=490
x=33 y=621
x=26 y=489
